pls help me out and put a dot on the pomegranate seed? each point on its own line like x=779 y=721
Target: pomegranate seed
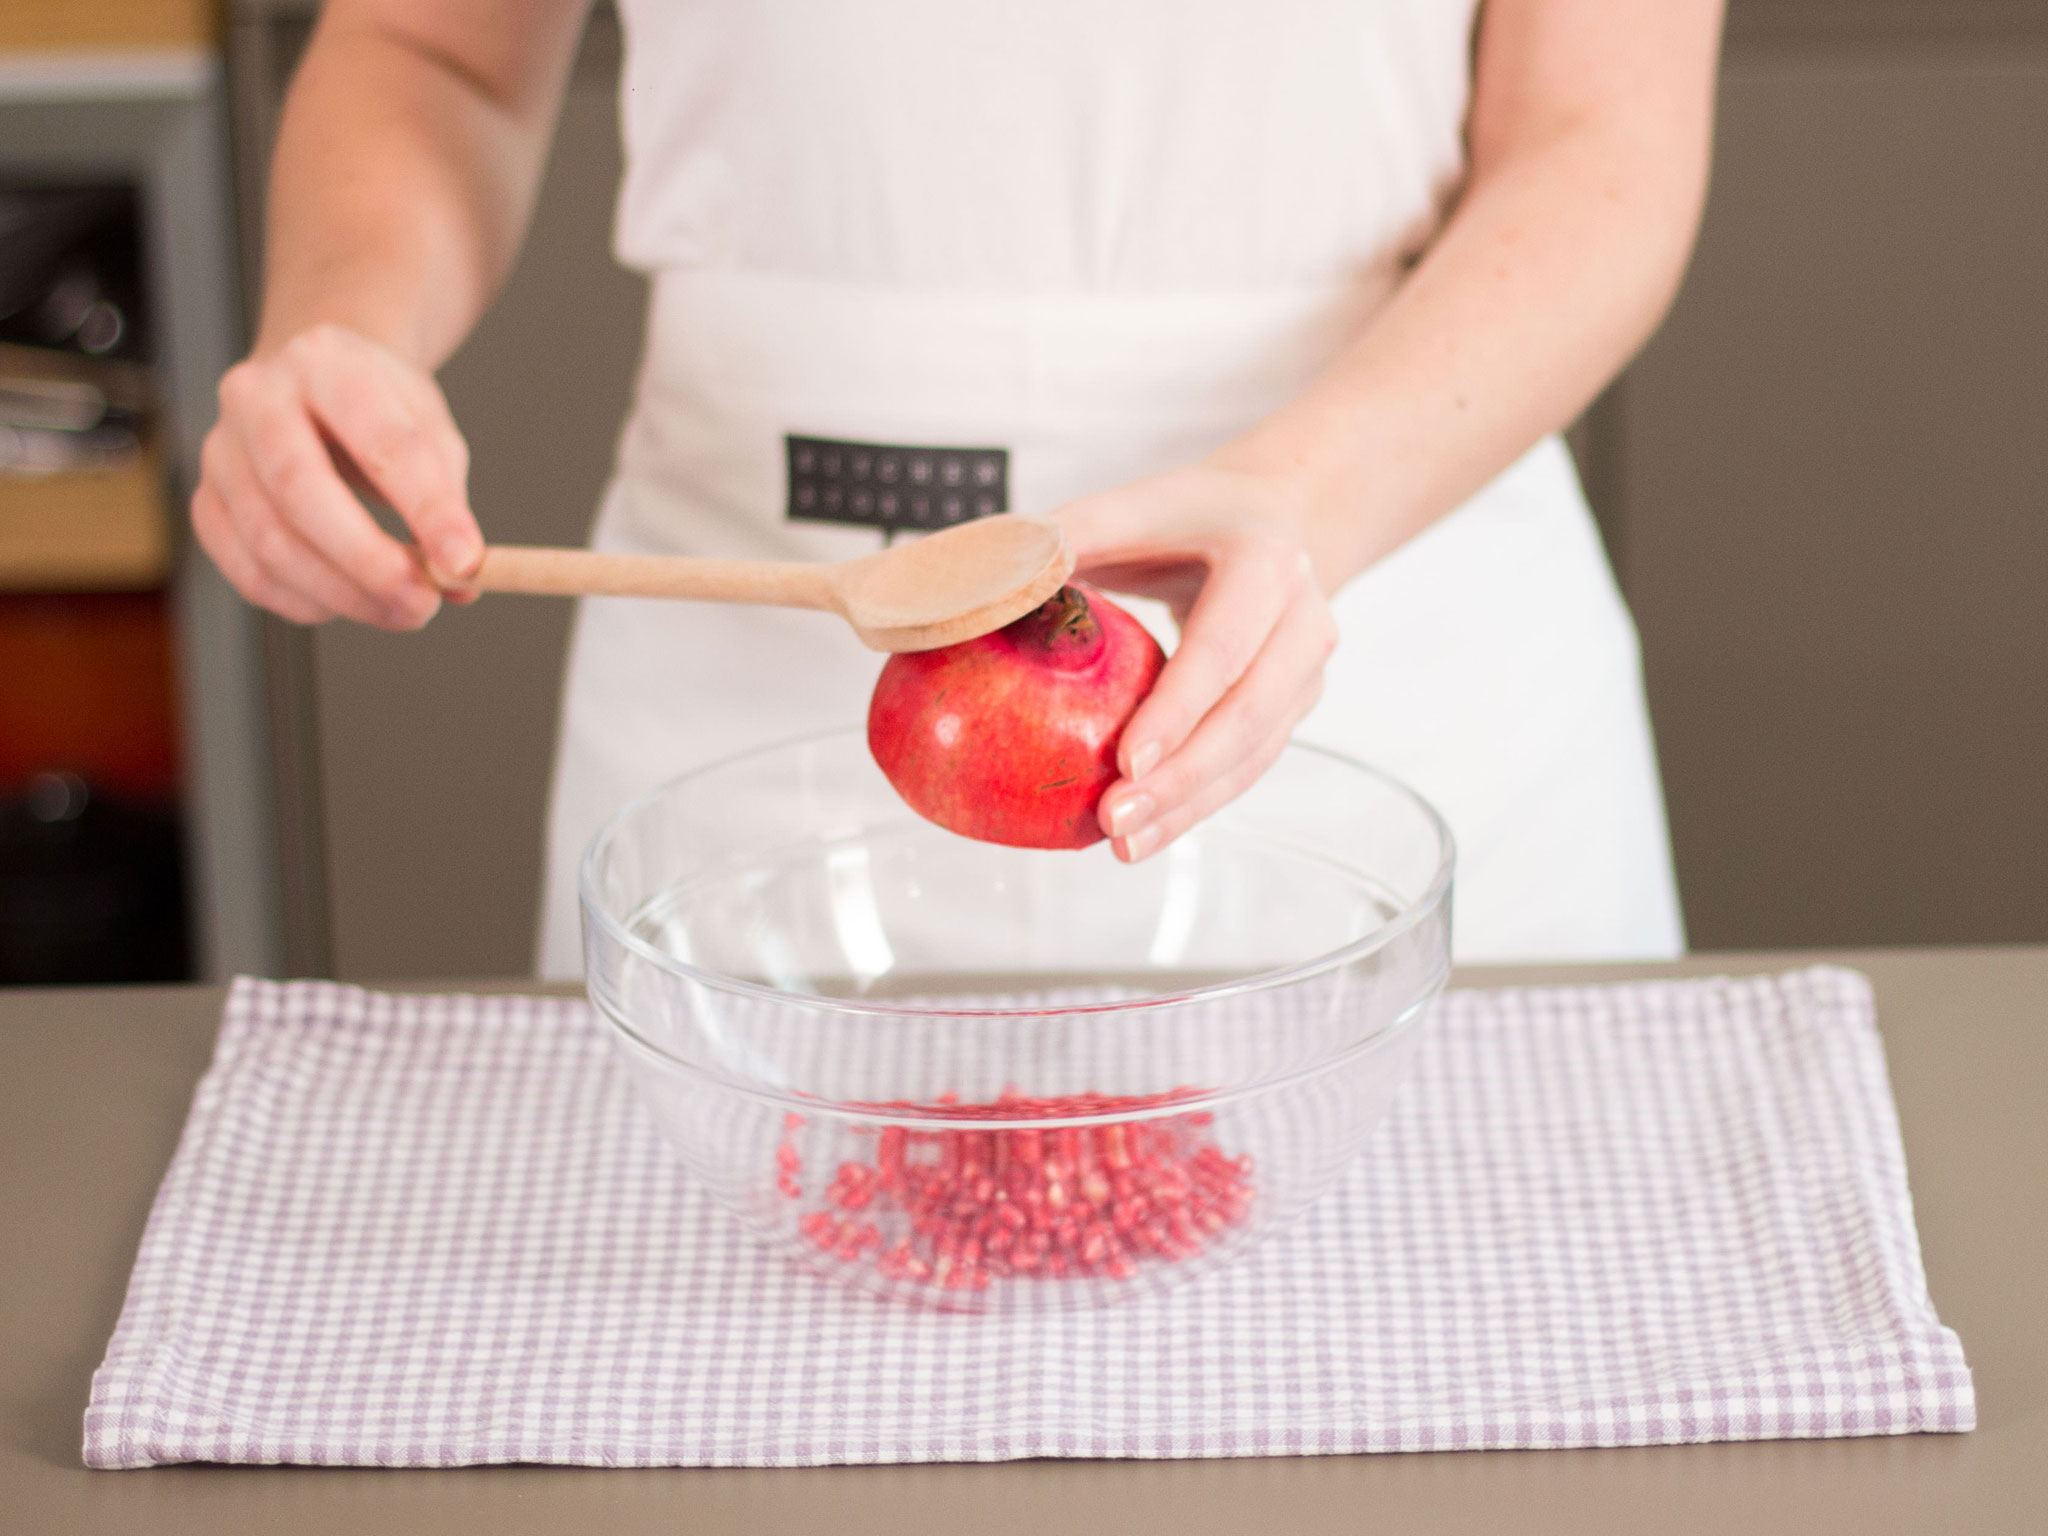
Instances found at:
x=889 y=1154
x=820 y=1227
x=1114 y=1143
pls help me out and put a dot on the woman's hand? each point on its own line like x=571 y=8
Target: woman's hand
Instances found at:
x=299 y=426
x=408 y=155
x=1222 y=548
x=1589 y=134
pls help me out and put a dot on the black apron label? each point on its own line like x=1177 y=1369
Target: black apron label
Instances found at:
x=893 y=487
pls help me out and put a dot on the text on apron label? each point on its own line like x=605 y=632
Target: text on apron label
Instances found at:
x=891 y=486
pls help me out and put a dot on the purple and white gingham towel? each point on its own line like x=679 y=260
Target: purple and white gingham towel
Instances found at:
x=432 y=1231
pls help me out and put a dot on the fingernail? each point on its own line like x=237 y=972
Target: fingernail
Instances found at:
x=1141 y=843
x=1145 y=759
x=1129 y=812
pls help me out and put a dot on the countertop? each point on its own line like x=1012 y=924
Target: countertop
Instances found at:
x=95 y=1088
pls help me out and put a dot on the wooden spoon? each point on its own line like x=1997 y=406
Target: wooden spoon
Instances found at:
x=965 y=581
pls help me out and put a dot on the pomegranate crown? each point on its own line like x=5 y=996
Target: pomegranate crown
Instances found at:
x=1064 y=624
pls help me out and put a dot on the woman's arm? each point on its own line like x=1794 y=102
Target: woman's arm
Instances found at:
x=1589 y=137
x=1590 y=132
x=407 y=161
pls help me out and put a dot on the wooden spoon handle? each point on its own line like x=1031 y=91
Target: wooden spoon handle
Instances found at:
x=589 y=573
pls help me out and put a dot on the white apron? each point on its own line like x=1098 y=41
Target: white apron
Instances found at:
x=1107 y=235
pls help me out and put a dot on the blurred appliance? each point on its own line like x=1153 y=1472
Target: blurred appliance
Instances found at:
x=92 y=865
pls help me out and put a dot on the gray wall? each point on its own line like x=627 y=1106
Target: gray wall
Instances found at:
x=434 y=747
x=1833 y=506
x=1822 y=484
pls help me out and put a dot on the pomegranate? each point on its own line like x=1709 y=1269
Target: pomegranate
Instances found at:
x=1011 y=737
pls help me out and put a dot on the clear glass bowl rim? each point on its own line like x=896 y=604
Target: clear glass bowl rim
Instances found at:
x=1433 y=895
x=933 y=1117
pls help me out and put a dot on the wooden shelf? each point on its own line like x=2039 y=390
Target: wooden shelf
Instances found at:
x=89 y=531
x=66 y=24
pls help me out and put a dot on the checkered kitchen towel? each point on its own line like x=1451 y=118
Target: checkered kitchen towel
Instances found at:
x=430 y=1231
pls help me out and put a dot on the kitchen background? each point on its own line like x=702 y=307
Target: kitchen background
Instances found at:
x=1824 y=486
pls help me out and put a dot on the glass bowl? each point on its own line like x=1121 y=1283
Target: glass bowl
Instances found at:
x=982 y=1078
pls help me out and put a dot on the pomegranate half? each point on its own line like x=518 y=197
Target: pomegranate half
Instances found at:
x=1011 y=737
